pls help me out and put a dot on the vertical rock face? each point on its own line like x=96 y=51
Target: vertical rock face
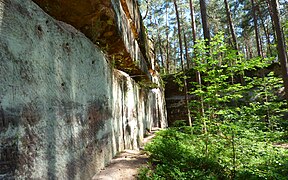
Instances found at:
x=175 y=98
x=64 y=111
x=114 y=25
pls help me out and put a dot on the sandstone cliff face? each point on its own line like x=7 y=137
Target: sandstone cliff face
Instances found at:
x=64 y=110
x=114 y=25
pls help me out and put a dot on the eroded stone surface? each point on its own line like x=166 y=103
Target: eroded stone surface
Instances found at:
x=114 y=25
x=64 y=111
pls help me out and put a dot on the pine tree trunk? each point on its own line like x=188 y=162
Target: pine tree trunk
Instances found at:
x=179 y=34
x=161 y=53
x=147 y=10
x=265 y=31
x=280 y=44
x=193 y=24
x=256 y=28
x=231 y=26
x=198 y=74
x=159 y=46
x=182 y=63
x=233 y=35
x=271 y=16
x=248 y=50
x=167 y=45
x=186 y=50
x=205 y=26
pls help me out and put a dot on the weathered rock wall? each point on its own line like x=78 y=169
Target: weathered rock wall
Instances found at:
x=64 y=111
x=121 y=34
x=175 y=97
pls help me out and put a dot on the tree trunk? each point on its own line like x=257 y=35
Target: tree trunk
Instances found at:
x=160 y=48
x=280 y=44
x=261 y=45
x=205 y=26
x=167 y=50
x=249 y=48
x=271 y=16
x=265 y=31
x=182 y=63
x=193 y=24
x=167 y=45
x=256 y=28
x=198 y=74
x=246 y=51
x=234 y=38
x=186 y=50
x=161 y=53
x=231 y=26
x=179 y=34
x=175 y=58
x=147 y=9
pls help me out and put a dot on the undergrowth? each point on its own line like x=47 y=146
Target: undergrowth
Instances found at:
x=176 y=153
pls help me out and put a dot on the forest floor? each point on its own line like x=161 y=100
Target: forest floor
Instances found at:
x=126 y=164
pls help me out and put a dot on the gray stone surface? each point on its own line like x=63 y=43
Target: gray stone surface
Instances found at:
x=122 y=34
x=64 y=111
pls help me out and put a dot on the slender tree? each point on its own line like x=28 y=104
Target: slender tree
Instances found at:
x=271 y=17
x=206 y=33
x=186 y=50
x=147 y=9
x=231 y=26
x=161 y=53
x=233 y=35
x=193 y=24
x=256 y=28
x=182 y=63
x=198 y=74
x=266 y=33
x=167 y=42
x=179 y=34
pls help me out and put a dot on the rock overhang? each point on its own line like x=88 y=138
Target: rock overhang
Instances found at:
x=113 y=25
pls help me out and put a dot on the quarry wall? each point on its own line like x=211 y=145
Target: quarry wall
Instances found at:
x=65 y=110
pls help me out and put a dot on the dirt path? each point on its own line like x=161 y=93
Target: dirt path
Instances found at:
x=282 y=145
x=125 y=165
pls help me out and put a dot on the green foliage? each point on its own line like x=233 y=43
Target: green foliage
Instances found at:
x=177 y=154
x=233 y=138
x=173 y=154
x=226 y=98
x=179 y=123
x=146 y=84
x=178 y=79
